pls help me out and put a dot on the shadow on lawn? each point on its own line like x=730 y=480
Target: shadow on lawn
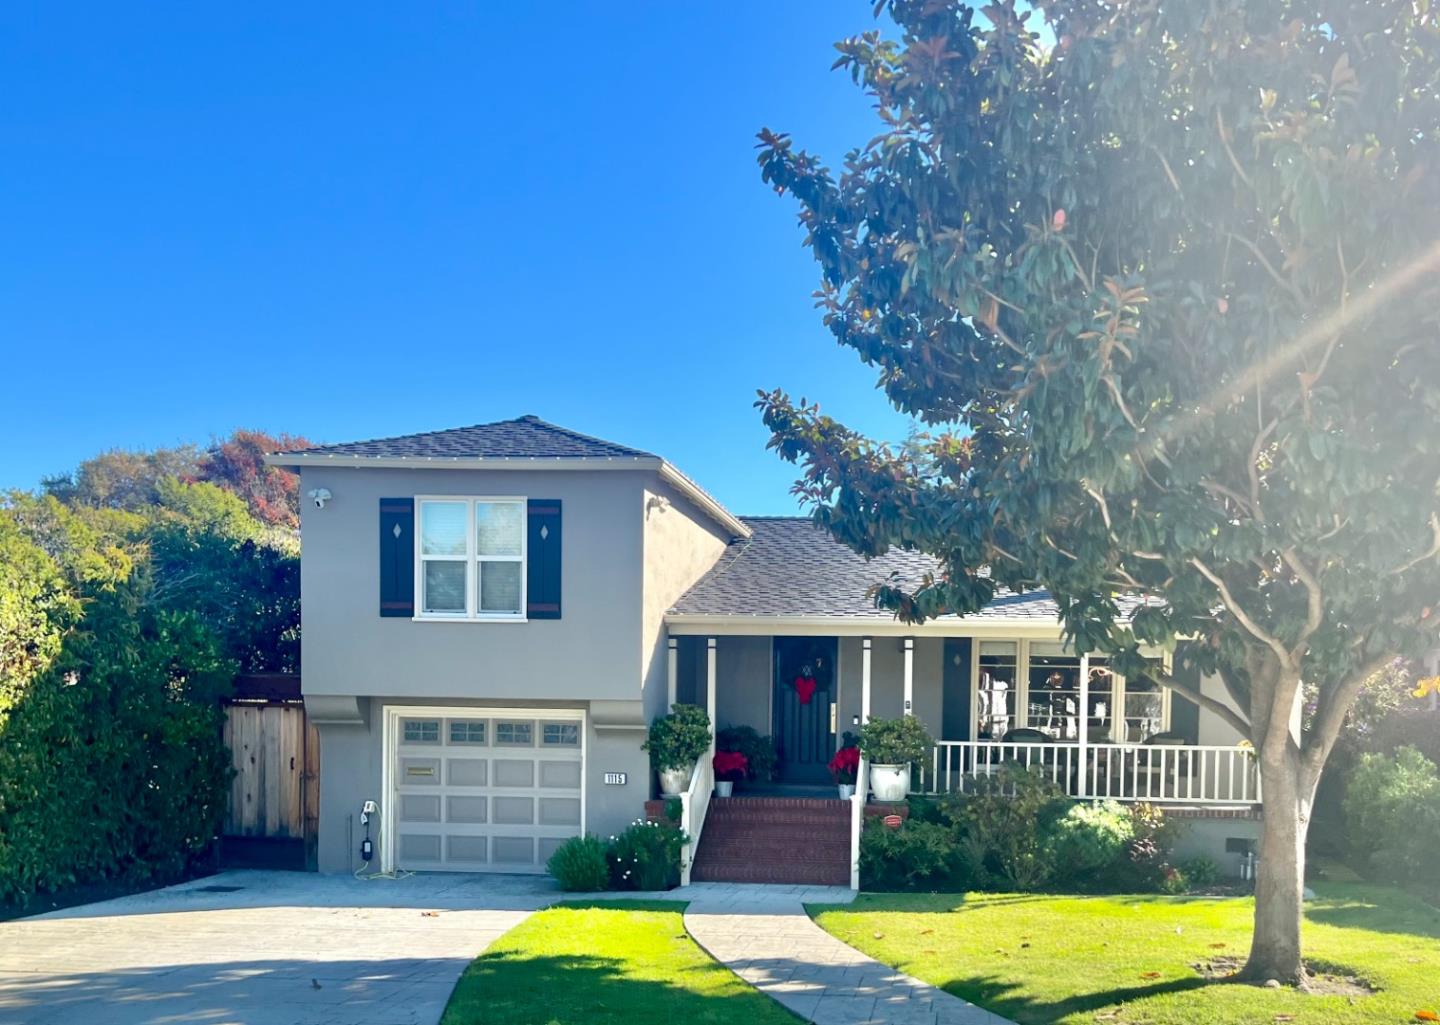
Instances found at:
x=1360 y=908
x=994 y=994
x=505 y=988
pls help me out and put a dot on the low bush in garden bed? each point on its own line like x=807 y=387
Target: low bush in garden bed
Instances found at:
x=646 y=856
x=1019 y=832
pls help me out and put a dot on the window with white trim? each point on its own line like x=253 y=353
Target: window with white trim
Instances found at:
x=471 y=558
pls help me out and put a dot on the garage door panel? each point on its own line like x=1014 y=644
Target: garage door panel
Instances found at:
x=513 y=772
x=467 y=809
x=467 y=849
x=420 y=847
x=559 y=811
x=484 y=790
x=512 y=850
x=565 y=775
x=467 y=772
x=420 y=808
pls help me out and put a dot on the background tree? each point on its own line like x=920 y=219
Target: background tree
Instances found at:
x=1168 y=293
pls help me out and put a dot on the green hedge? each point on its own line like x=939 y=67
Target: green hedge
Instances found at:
x=111 y=760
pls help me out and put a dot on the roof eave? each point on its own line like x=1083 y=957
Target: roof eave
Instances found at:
x=967 y=626
x=683 y=484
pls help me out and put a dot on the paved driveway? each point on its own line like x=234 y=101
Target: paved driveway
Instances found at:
x=268 y=948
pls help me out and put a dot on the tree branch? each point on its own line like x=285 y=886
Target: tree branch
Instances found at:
x=1195 y=694
x=1429 y=553
x=1330 y=716
x=1315 y=605
x=1238 y=611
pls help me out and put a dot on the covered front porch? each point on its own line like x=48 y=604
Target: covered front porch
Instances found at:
x=988 y=699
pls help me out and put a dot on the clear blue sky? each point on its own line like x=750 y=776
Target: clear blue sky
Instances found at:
x=364 y=219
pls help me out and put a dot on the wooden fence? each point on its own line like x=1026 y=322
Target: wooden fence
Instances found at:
x=274 y=796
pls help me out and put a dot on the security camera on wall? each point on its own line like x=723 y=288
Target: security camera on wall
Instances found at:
x=320 y=496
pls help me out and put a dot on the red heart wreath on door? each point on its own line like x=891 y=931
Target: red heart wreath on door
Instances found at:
x=805 y=688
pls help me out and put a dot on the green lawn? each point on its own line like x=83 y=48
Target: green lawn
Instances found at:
x=1041 y=959
x=593 y=964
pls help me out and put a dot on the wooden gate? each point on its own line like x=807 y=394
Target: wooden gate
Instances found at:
x=274 y=811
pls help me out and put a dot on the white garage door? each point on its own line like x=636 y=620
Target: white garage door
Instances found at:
x=483 y=789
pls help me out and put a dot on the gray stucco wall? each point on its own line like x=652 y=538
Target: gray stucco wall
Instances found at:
x=351 y=758
x=743 y=688
x=887 y=681
x=620 y=571
x=592 y=652
x=679 y=545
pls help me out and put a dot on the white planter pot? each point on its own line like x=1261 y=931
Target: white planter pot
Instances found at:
x=674 y=782
x=890 y=782
x=724 y=787
x=847 y=790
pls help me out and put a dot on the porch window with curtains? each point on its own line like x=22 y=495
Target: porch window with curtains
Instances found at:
x=472 y=558
x=1120 y=709
x=997 y=695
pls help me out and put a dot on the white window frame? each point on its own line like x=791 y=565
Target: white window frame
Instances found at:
x=473 y=560
x=1022 y=694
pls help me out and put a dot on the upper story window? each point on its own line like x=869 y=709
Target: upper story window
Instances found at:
x=471 y=562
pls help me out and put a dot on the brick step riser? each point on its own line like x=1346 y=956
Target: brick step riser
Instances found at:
x=793 y=803
x=729 y=848
x=796 y=821
x=773 y=876
x=779 y=828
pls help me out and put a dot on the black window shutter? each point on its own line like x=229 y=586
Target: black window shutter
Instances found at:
x=397 y=557
x=542 y=555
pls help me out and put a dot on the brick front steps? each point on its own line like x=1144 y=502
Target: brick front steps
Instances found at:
x=795 y=840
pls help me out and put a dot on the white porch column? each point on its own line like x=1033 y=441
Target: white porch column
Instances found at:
x=1084 y=726
x=864 y=681
x=909 y=676
x=672 y=669
x=710 y=688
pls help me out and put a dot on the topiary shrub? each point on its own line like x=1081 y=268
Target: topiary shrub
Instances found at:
x=917 y=856
x=759 y=750
x=580 y=865
x=1092 y=841
x=677 y=740
x=646 y=856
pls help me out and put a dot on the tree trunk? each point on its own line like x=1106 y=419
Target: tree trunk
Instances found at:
x=1280 y=874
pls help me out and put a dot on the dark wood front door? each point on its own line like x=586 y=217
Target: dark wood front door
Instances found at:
x=805 y=692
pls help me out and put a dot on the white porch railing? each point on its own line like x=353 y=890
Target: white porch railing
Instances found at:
x=857 y=818
x=694 y=804
x=1161 y=773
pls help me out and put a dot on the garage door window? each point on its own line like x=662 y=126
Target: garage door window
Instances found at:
x=422 y=731
x=561 y=734
x=515 y=734
x=467 y=731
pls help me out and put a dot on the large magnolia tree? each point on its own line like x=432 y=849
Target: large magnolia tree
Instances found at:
x=1164 y=281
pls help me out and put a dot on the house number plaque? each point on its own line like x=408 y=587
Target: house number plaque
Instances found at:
x=615 y=779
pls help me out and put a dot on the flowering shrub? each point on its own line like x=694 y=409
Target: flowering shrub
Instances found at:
x=845 y=766
x=645 y=857
x=731 y=765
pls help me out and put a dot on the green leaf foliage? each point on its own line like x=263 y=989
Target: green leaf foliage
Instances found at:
x=121 y=626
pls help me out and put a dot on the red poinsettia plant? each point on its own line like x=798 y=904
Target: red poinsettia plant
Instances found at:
x=845 y=766
x=731 y=765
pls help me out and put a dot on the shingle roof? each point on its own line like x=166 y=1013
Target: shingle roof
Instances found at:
x=526 y=437
x=790 y=567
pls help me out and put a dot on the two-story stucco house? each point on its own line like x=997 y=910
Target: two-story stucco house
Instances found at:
x=492 y=615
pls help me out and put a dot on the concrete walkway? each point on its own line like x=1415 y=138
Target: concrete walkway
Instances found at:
x=268 y=948
x=767 y=939
x=293 y=948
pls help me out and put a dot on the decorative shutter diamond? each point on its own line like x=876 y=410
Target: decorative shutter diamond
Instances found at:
x=396 y=531
x=544 y=532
